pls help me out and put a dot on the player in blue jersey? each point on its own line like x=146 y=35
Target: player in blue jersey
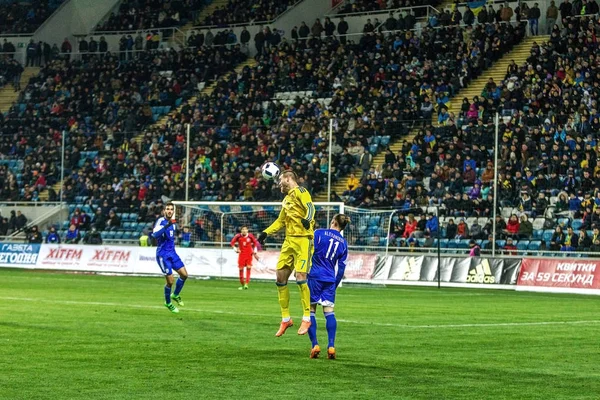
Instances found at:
x=331 y=249
x=165 y=234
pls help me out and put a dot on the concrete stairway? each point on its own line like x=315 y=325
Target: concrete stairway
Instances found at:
x=8 y=95
x=519 y=53
x=341 y=185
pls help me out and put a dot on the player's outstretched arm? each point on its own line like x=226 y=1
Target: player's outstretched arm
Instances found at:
x=275 y=226
x=341 y=268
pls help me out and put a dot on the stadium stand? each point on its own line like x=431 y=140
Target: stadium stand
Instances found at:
x=152 y=14
x=244 y=11
x=365 y=6
x=100 y=103
x=18 y=17
x=382 y=89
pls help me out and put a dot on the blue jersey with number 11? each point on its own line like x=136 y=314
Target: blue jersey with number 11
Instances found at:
x=331 y=249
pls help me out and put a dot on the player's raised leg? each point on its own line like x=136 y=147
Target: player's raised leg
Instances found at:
x=166 y=269
x=283 y=294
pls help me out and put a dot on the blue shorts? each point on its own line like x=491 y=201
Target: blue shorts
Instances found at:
x=169 y=262
x=322 y=293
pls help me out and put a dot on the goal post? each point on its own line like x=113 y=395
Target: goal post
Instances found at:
x=207 y=227
x=214 y=224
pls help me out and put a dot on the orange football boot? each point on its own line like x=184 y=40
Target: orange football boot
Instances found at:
x=315 y=351
x=331 y=353
x=304 y=327
x=283 y=327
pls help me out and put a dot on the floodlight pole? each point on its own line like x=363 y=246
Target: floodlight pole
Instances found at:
x=439 y=247
x=329 y=162
x=187 y=165
x=62 y=167
x=496 y=191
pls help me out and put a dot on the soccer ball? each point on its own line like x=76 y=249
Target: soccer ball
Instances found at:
x=270 y=170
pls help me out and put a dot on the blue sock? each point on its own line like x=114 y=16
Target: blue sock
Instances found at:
x=167 y=294
x=178 y=286
x=331 y=325
x=312 y=331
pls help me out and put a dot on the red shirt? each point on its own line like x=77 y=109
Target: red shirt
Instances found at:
x=246 y=244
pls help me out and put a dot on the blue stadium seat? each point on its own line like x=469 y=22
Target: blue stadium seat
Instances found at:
x=523 y=245
x=362 y=229
x=538 y=234
x=576 y=224
x=372 y=231
x=547 y=235
x=564 y=221
x=383 y=241
x=534 y=245
x=463 y=244
x=500 y=244
x=385 y=140
x=373 y=149
x=444 y=243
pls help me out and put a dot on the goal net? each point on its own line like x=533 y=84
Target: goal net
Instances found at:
x=214 y=224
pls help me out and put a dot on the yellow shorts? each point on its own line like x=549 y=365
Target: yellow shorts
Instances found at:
x=296 y=253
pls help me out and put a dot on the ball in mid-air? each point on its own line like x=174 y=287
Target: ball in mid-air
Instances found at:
x=270 y=170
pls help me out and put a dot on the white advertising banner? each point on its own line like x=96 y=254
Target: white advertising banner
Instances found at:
x=142 y=260
x=198 y=261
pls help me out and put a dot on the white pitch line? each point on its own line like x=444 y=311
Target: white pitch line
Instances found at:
x=401 y=326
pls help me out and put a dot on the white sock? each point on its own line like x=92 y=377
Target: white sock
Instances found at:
x=286 y=319
x=307 y=319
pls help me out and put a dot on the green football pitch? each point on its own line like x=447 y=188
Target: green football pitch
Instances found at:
x=65 y=336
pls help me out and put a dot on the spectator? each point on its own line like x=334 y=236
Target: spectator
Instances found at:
x=93 y=237
x=558 y=239
x=584 y=242
x=113 y=222
x=34 y=236
x=53 y=237
x=525 y=228
x=410 y=227
x=533 y=17
x=512 y=227
x=510 y=248
x=20 y=221
x=571 y=241
x=72 y=236
x=551 y=16
x=475 y=250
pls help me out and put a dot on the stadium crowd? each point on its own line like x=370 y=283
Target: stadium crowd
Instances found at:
x=376 y=88
x=17 y=17
x=363 y=6
x=152 y=14
x=548 y=169
x=243 y=11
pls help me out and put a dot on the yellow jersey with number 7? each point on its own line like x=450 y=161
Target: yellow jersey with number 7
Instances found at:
x=296 y=205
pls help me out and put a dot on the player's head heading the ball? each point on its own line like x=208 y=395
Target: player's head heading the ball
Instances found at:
x=339 y=222
x=287 y=181
x=169 y=210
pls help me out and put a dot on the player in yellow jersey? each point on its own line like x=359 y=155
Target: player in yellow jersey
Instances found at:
x=298 y=217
